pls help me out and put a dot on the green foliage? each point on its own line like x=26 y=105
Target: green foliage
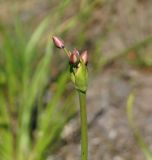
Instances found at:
x=136 y=132
x=24 y=80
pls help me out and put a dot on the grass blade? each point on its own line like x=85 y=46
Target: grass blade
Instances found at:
x=136 y=132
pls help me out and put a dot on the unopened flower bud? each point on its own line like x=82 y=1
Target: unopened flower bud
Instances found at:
x=58 y=42
x=84 y=56
x=73 y=58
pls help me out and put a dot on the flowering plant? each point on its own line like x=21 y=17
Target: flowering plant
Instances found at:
x=79 y=76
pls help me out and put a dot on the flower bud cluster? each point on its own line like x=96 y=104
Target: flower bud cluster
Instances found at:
x=74 y=56
x=78 y=65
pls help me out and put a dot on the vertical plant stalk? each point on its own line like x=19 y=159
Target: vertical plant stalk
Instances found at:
x=84 y=128
x=79 y=76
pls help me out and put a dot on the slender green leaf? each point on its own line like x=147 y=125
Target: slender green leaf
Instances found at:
x=136 y=132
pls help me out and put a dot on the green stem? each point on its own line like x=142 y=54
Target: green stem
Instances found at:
x=66 y=51
x=84 y=130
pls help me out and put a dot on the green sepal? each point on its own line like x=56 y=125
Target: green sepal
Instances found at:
x=72 y=76
x=81 y=77
x=72 y=73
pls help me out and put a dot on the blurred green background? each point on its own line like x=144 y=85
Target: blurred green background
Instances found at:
x=39 y=116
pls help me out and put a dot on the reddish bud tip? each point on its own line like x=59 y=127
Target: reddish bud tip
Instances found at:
x=76 y=52
x=58 y=42
x=73 y=58
x=84 y=56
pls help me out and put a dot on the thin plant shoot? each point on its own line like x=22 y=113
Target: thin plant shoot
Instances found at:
x=79 y=76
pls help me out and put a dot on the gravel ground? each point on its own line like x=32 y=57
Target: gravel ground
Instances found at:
x=110 y=137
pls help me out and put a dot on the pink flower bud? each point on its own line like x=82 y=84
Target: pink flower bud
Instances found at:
x=84 y=56
x=73 y=58
x=58 y=42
